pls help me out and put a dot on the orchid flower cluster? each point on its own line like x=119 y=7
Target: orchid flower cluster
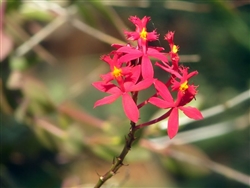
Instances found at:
x=132 y=71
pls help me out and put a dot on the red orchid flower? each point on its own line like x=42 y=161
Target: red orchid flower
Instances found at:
x=132 y=71
x=173 y=49
x=142 y=50
x=129 y=84
x=182 y=85
x=167 y=102
x=141 y=30
x=146 y=65
x=117 y=72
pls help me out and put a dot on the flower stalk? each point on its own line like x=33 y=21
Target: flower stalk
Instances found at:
x=118 y=161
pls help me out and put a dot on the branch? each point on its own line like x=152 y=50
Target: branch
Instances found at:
x=118 y=161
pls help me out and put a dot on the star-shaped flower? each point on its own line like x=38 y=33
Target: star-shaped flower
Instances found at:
x=123 y=89
x=167 y=102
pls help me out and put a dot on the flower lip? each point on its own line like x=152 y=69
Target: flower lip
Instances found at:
x=117 y=72
x=143 y=34
x=184 y=86
x=175 y=49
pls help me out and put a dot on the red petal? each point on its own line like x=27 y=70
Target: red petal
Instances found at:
x=155 y=53
x=135 y=20
x=107 y=77
x=117 y=46
x=167 y=69
x=144 y=21
x=129 y=57
x=147 y=67
x=106 y=100
x=127 y=49
x=169 y=37
x=131 y=80
x=163 y=91
x=132 y=35
x=136 y=72
x=142 y=85
x=173 y=123
x=151 y=36
x=191 y=112
x=191 y=74
x=130 y=108
x=106 y=58
x=106 y=87
x=159 y=102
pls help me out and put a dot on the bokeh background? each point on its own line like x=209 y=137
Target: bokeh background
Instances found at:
x=52 y=137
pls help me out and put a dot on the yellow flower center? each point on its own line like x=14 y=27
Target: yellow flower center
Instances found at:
x=143 y=34
x=175 y=49
x=184 y=86
x=117 y=72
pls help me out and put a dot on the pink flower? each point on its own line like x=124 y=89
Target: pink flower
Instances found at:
x=146 y=65
x=129 y=84
x=141 y=30
x=173 y=49
x=186 y=92
x=131 y=71
x=167 y=102
x=169 y=37
x=117 y=72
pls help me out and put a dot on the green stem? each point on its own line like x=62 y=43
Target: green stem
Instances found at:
x=118 y=162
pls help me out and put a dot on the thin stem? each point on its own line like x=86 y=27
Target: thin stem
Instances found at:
x=164 y=116
x=118 y=161
x=145 y=102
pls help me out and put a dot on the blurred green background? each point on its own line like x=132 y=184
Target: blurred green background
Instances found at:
x=52 y=137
